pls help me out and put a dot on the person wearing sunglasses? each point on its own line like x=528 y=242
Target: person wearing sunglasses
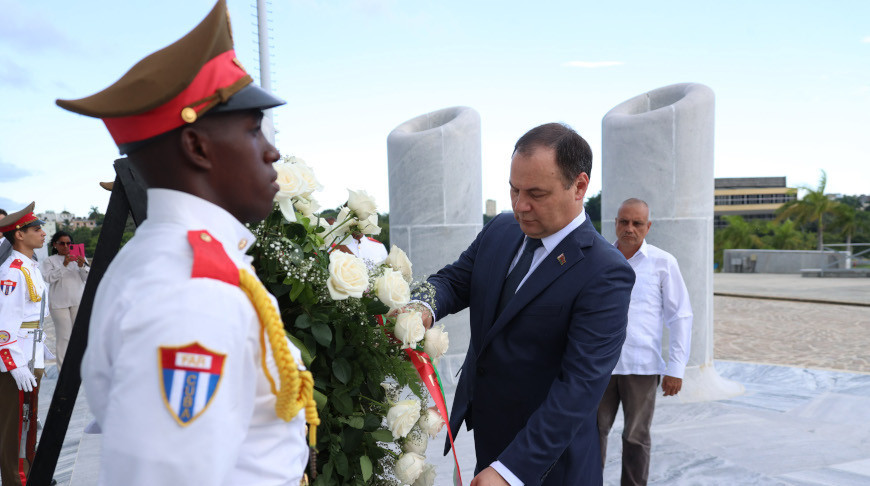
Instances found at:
x=66 y=275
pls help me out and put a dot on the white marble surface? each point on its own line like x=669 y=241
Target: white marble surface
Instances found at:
x=436 y=198
x=658 y=146
x=793 y=426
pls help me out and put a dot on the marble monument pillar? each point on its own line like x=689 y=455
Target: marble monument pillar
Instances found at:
x=658 y=146
x=436 y=202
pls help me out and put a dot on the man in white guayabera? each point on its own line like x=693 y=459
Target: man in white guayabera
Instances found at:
x=659 y=299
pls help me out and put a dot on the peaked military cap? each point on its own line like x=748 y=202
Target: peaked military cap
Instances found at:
x=196 y=75
x=20 y=220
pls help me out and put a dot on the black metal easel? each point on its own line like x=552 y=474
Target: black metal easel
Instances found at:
x=128 y=198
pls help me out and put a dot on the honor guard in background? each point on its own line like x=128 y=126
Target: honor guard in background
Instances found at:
x=23 y=295
x=367 y=248
x=187 y=370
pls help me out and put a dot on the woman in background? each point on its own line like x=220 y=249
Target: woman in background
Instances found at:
x=66 y=275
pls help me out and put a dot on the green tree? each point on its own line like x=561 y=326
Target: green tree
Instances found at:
x=811 y=209
x=740 y=234
x=847 y=222
x=592 y=206
x=785 y=236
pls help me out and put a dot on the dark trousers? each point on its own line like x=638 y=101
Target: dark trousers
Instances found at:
x=638 y=396
x=11 y=470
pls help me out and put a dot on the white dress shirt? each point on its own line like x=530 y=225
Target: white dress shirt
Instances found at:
x=659 y=299
x=549 y=243
x=66 y=282
x=146 y=301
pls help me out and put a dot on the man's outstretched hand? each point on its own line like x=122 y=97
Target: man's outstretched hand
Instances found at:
x=415 y=306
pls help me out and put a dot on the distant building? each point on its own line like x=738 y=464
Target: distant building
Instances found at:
x=82 y=223
x=753 y=198
x=490 y=207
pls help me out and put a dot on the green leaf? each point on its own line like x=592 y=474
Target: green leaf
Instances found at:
x=342 y=402
x=383 y=435
x=341 y=369
x=356 y=421
x=366 y=465
x=306 y=355
x=327 y=471
x=298 y=287
x=341 y=465
x=372 y=422
x=303 y=322
x=351 y=439
x=320 y=399
x=322 y=333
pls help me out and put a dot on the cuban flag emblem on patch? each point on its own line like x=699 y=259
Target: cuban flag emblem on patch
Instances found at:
x=190 y=376
x=7 y=286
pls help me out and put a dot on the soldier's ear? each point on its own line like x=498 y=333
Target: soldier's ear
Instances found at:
x=196 y=146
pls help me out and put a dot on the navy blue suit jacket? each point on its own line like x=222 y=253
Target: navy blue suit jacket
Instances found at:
x=534 y=375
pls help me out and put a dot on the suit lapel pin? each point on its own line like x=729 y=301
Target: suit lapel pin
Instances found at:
x=561 y=259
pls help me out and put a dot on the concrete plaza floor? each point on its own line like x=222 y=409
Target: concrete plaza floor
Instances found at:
x=804 y=419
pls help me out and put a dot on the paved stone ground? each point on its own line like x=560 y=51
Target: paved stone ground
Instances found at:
x=825 y=336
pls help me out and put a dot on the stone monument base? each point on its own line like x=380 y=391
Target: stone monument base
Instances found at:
x=703 y=383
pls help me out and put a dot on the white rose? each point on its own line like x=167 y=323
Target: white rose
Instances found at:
x=416 y=441
x=402 y=416
x=392 y=289
x=361 y=203
x=409 y=467
x=307 y=175
x=431 y=422
x=306 y=206
x=290 y=181
x=436 y=343
x=347 y=276
x=427 y=477
x=369 y=226
x=410 y=329
x=399 y=261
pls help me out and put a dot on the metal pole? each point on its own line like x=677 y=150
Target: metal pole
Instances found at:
x=265 y=73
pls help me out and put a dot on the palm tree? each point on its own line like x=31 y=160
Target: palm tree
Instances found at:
x=846 y=220
x=812 y=208
x=785 y=236
x=739 y=234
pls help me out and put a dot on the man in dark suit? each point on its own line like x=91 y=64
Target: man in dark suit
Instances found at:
x=548 y=299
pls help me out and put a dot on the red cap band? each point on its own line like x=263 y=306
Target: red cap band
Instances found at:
x=27 y=218
x=220 y=72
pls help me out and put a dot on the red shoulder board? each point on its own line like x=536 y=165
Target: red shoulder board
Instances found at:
x=210 y=260
x=16 y=263
x=376 y=241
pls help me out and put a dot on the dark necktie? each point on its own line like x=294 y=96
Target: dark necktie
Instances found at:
x=518 y=273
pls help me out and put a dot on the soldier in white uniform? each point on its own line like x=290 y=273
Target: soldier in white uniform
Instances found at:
x=187 y=370
x=367 y=248
x=22 y=291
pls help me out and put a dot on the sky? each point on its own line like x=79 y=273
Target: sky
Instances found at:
x=791 y=79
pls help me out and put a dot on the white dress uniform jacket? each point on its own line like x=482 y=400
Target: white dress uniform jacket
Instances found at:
x=17 y=307
x=367 y=248
x=146 y=304
x=659 y=299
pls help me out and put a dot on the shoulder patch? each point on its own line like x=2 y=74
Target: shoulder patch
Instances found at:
x=190 y=376
x=210 y=260
x=7 y=286
x=16 y=263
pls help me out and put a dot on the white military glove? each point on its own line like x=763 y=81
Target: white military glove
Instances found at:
x=24 y=379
